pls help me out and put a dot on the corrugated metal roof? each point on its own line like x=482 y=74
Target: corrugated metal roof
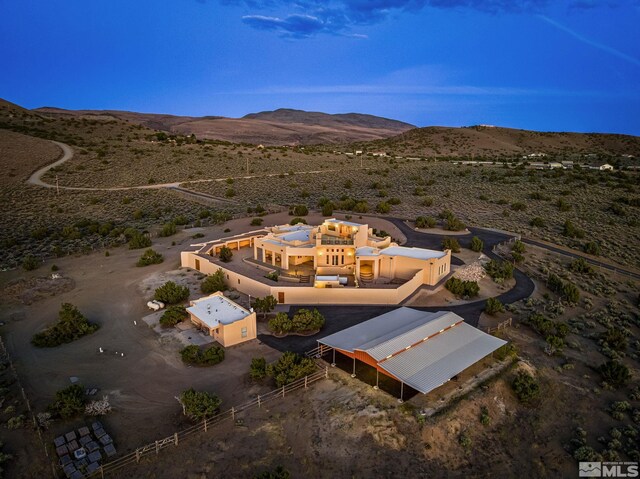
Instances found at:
x=391 y=332
x=432 y=363
x=397 y=341
x=380 y=328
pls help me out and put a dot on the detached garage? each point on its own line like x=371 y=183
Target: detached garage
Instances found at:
x=419 y=349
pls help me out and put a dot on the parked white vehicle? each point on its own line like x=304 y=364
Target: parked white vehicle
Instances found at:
x=155 y=305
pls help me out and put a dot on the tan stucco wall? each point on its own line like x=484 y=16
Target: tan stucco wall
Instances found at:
x=310 y=295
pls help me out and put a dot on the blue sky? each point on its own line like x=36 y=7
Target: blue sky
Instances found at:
x=569 y=65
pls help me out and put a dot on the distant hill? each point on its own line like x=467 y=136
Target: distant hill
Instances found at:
x=496 y=141
x=280 y=127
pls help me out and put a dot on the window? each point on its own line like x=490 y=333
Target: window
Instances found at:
x=243 y=332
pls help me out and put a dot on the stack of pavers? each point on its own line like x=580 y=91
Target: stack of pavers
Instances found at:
x=82 y=451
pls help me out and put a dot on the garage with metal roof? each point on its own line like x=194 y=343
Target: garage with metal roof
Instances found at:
x=419 y=349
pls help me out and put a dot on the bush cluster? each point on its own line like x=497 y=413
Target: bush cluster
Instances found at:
x=173 y=315
x=150 y=257
x=202 y=357
x=71 y=325
x=463 y=289
x=567 y=290
x=499 y=271
x=199 y=405
x=452 y=244
x=526 y=387
x=171 y=293
x=303 y=320
x=290 y=367
x=213 y=283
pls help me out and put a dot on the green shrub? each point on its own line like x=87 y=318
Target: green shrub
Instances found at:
x=485 y=419
x=452 y=244
x=280 y=324
x=171 y=293
x=264 y=305
x=567 y=290
x=307 y=320
x=258 y=369
x=297 y=220
x=29 y=263
x=592 y=247
x=615 y=373
x=213 y=283
x=169 y=229
x=173 y=315
x=149 y=257
x=68 y=402
x=493 y=306
x=526 y=387
x=476 y=244
x=454 y=224
x=383 y=207
x=465 y=440
x=225 y=254
x=425 y=222
x=327 y=209
x=71 y=325
x=299 y=210
x=463 y=289
x=499 y=270
x=256 y=222
x=518 y=247
x=518 y=206
x=571 y=231
x=615 y=338
x=580 y=265
x=199 y=405
x=537 y=222
x=290 y=367
x=202 y=357
x=278 y=473
x=504 y=351
x=139 y=240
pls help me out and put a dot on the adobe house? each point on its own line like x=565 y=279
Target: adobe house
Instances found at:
x=225 y=321
x=336 y=262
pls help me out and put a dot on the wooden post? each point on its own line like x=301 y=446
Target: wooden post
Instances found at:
x=137 y=455
x=259 y=405
x=233 y=413
x=334 y=357
x=102 y=472
x=305 y=381
x=326 y=372
x=354 y=367
x=157 y=448
x=205 y=424
x=175 y=438
x=282 y=391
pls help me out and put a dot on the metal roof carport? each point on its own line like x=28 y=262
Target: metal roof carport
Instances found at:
x=421 y=349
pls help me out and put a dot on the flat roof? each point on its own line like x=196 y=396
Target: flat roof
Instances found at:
x=421 y=349
x=417 y=253
x=217 y=309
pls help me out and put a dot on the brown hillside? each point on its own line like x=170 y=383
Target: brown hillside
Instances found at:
x=495 y=141
x=282 y=127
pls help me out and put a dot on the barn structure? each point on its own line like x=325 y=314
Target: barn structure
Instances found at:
x=419 y=349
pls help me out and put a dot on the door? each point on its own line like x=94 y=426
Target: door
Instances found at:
x=281 y=298
x=198 y=264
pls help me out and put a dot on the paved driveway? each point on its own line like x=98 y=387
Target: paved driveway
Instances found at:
x=342 y=317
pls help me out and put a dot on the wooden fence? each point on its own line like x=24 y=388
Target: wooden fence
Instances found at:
x=4 y=356
x=503 y=325
x=176 y=438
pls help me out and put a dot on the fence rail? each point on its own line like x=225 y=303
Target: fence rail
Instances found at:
x=177 y=437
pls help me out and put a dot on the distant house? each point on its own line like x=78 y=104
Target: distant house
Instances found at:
x=606 y=167
x=224 y=320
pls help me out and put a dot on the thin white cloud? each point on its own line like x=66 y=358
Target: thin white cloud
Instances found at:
x=588 y=41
